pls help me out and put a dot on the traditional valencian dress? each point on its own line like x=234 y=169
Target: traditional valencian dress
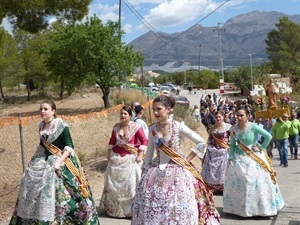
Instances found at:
x=49 y=197
x=250 y=186
x=169 y=192
x=215 y=158
x=122 y=173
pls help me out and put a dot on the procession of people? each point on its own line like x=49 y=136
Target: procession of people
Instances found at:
x=148 y=177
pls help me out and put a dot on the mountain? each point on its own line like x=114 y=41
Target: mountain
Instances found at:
x=240 y=36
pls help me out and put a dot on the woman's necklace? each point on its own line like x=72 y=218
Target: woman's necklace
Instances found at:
x=219 y=126
x=164 y=128
x=47 y=126
x=49 y=121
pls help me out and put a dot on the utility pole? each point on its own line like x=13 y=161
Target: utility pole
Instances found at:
x=142 y=70
x=219 y=29
x=200 y=46
x=120 y=36
x=120 y=10
x=251 y=73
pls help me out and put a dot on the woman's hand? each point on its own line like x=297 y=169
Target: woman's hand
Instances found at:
x=139 y=158
x=255 y=148
x=108 y=154
x=57 y=165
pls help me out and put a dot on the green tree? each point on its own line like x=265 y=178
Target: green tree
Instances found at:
x=92 y=52
x=283 y=46
x=8 y=60
x=261 y=72
x=109 y=59
x=67 y=55
x=206 y=79
x=32 y=61
x=241 y=76
x=33 y=15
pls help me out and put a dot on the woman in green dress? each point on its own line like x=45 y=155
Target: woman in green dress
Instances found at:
x=54 y=189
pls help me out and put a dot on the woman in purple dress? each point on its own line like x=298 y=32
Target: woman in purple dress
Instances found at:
x=216 y=156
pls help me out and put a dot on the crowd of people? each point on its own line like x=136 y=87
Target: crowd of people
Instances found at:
x=148 y=177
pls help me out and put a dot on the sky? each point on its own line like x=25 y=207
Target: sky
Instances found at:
x=170 y=16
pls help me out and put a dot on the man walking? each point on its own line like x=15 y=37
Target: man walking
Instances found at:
x=280 y=133
x=294 y=136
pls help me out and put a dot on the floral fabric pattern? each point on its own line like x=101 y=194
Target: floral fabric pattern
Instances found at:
x=47 y=197
x=168 y=193
x=248 y=189
x=121 y=180
x=215 y=160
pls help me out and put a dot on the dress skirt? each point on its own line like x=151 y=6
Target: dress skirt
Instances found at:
x=122 y=176
x=214 y=167
x=169 y=196
x=249 y=190
x=47 y=197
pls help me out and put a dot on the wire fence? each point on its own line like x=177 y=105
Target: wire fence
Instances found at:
x=19 y=139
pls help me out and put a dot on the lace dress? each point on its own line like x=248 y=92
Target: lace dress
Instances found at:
x=168 y=193
x=47 y=197
x=215 y=160
x=249 y=190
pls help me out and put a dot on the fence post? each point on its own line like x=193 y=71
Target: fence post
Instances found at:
x=21 y=141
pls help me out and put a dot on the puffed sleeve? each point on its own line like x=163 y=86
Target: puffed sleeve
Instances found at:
x=150 y=149
x=199 y=148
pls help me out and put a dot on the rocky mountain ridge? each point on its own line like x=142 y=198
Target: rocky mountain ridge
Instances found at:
x=240 y=36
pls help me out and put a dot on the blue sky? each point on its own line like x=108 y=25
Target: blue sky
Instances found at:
x=172 y=16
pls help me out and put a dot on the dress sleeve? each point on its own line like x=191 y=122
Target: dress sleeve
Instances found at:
x=232 y=146
x=112 y=140
x=150 y=150
x=68 y=141
x=264 y=133
x=142 y=138
x=199 y=148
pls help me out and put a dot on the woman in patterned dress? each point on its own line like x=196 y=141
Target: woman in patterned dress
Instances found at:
x=216 y=156
x=250 y=187
x=171 y=191
x=123 y=172
x=53 y=189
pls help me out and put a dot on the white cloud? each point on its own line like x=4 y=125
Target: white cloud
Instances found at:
x=178 y=12
x=160 y=14
x=139 y=2
x=104 y=12
x=7 y=25
x=127 y=28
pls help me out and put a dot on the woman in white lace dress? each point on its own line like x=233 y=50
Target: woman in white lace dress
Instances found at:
x=171 y=191
x=126 y=148
x=250 y=188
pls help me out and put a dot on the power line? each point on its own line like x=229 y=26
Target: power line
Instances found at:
x=190 y=27
x=143 y=20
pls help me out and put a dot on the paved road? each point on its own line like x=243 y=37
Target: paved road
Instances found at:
x=288 y=180
x=289 y=184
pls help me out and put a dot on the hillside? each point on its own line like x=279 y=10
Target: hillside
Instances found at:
x=240 y=36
